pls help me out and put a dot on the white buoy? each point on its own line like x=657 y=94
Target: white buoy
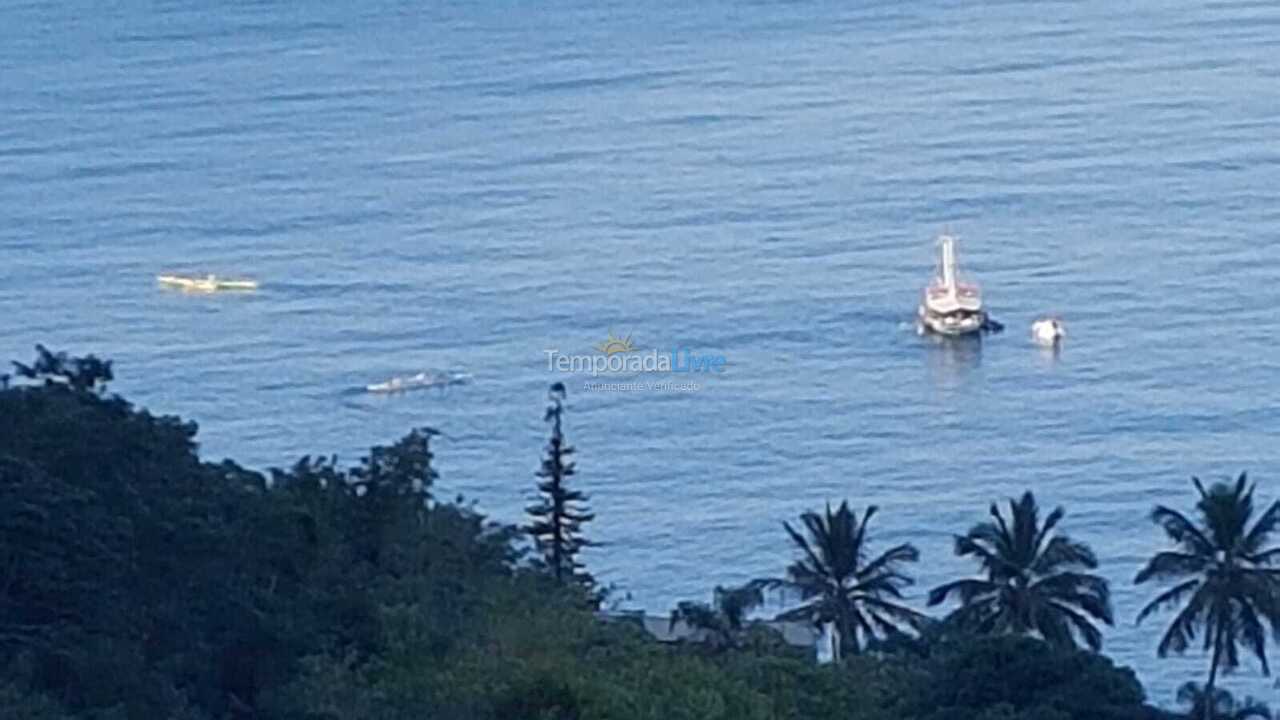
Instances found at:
x=1048 y=331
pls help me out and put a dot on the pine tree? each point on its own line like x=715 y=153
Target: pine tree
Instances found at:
x=560 y=512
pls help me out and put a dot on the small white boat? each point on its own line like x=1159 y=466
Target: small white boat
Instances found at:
x=949 y=306
x=208 y=283
x=1048 y=331
x=426 y=379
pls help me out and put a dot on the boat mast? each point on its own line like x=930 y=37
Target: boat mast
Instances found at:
x=948 y=262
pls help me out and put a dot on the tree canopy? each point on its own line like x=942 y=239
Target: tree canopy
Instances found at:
x=1035 y=579
x=139 y=581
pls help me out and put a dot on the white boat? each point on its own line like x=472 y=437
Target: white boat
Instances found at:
x=1048 y=331
x=949 y=306
x=208 y=283
x=426 y=379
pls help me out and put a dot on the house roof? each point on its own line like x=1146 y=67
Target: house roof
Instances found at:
x=797 y=634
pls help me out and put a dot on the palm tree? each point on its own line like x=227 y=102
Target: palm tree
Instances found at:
x=1034 y=580
x=1227 y=582
x=1224 y=706
x=838 y=584
x=724 y=619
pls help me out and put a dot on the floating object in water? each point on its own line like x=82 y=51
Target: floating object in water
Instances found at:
x=1048 y=331
x=208 y=283
x=426 y=379
x=949 y=306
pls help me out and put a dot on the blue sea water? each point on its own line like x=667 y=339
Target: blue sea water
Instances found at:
x=468 y=185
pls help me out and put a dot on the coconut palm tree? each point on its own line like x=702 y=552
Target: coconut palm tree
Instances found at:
x=1034 y=580
x=1227 y=582
x=840 y=583
x=1223 y=707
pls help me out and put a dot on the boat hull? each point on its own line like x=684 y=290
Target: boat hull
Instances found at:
x=952 y=324
x=205 y=284
x=420 y=381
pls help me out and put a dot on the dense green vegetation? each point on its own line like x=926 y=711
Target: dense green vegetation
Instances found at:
x=139 y=582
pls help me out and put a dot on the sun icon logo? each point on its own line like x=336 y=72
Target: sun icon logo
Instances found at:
x=613 y=345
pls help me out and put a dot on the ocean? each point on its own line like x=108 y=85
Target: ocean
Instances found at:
x=473 y=185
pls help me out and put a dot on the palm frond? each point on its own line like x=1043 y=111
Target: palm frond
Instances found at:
x=854 y=636
x=973 y=615
x=1072 y=582
x=1025 y=514
x=1089 y=593
x=735 y=603
x=1062 y=551
x=1000 y=535
x=806 y=580
x=890 y=559
x=1225 y=510
x=966 y=591
x=1260 y=590
x=1182 y=531
x=859 y=538
x=809 y=610
x=1051 y=624
x=1049 y=524
x=888 y=584
x=1080 y=625
x=1168 y=565
x=1254 y=635
x=1199 y=486
x=1262 y=529
x=899 y=614
x=828 y=534
x=1182 y=631
x=993 y=561
x=1263 y=558
x=815 y=561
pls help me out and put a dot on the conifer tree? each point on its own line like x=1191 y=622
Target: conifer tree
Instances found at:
x=560 y=512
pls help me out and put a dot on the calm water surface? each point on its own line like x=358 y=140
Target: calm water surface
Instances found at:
x=467 y=185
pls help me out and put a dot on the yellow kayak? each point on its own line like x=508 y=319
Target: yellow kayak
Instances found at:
x=208 y=283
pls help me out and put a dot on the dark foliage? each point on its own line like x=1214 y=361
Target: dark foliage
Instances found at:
x=1021 y=677
x=723 y=623
x=139 y=582
x=1035 y=580
x=840 y=583
x=1221 y=705
x=136 y=579
x=561 y=511
x=1225 y=579
x=78 y=373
